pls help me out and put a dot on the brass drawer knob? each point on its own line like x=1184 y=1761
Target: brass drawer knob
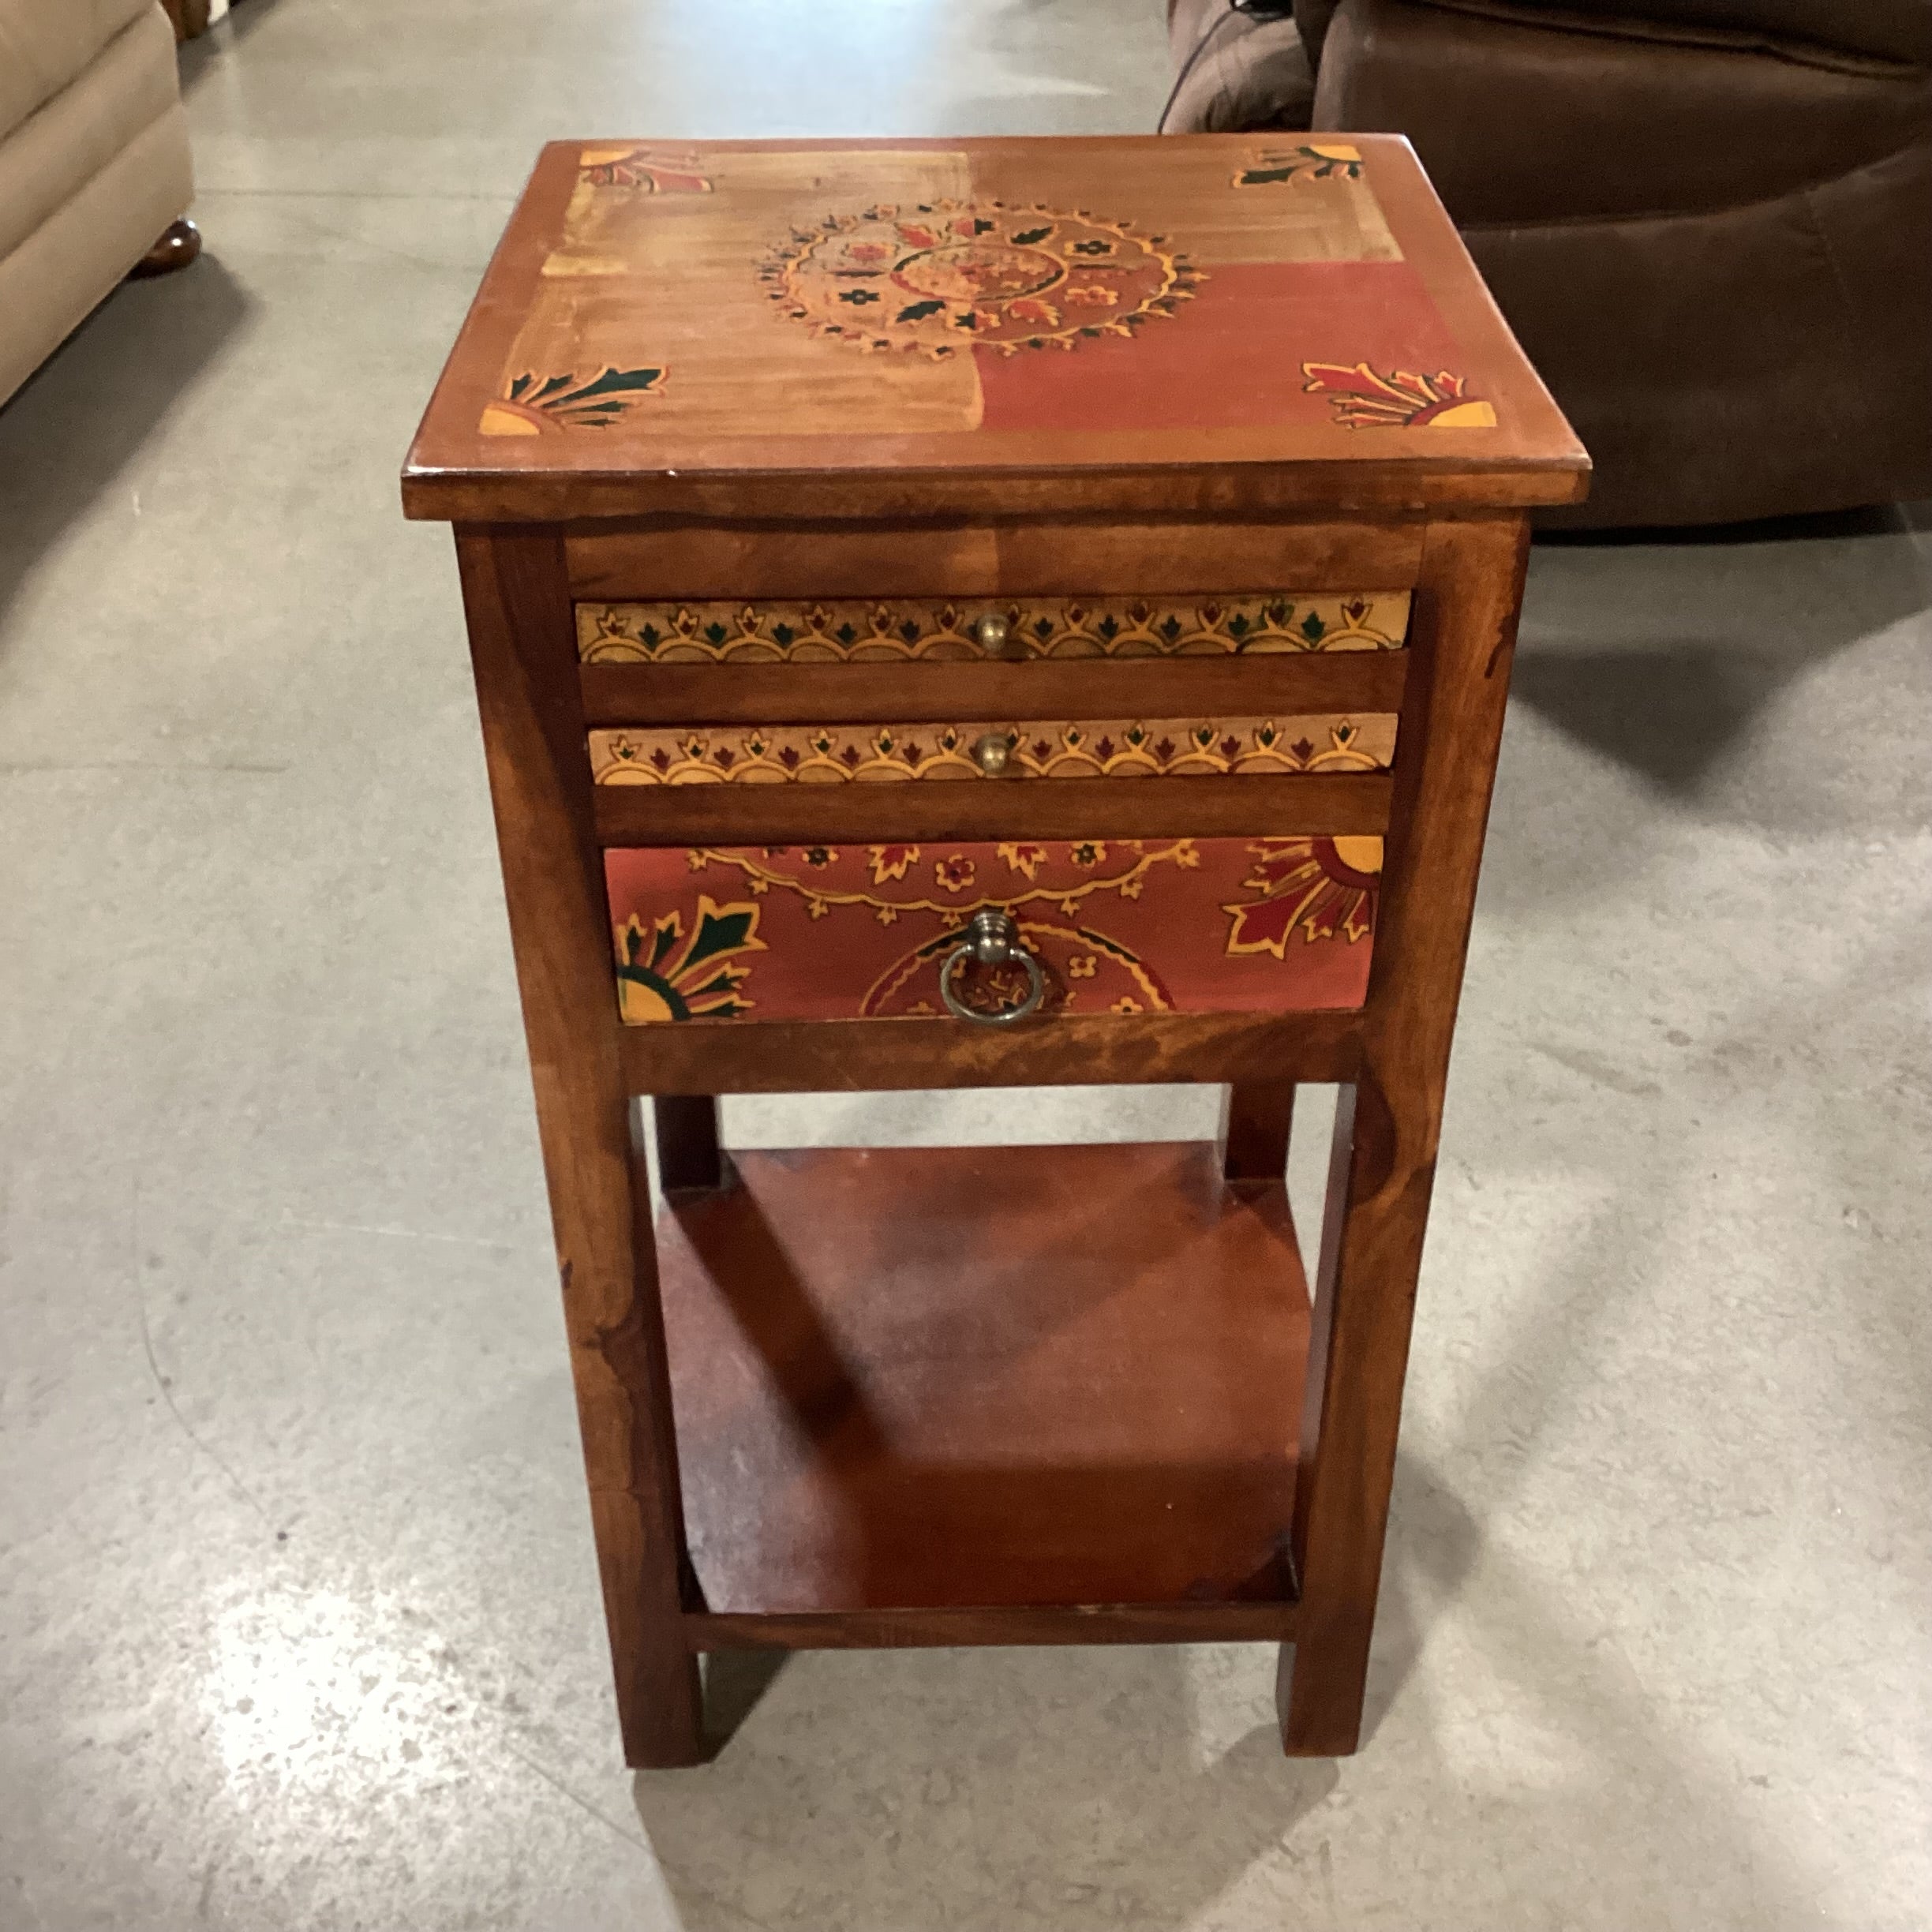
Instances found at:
x=992 y=940
x=992 y=752
x=992 y=631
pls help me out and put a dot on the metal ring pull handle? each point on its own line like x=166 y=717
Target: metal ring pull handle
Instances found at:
x=992 y=939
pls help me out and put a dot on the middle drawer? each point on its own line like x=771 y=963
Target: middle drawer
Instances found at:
x=1108 y=748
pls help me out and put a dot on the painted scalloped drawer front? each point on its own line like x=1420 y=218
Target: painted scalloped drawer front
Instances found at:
x=1191 y=926
x=1117 y=748
x=922 y=630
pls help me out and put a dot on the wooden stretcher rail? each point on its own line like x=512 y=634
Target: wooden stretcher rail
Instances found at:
x=851 y=1056
x=984 y=555
x=939 y=693
x=1319 y=803
x=890 y=1630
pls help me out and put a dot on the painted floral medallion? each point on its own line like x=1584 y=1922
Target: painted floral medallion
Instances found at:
x=942 y=275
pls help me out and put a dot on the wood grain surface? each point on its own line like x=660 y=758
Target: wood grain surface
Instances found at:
x=1254 y=1129
x=997 y=554
x=856 y=1056
x=1074 y=808
x=533 y=734
x=932 y=693
x=1390 y=1119
x=1005 y=1623
x=916 y=1378
x=689 y=1158
x=1038 y=327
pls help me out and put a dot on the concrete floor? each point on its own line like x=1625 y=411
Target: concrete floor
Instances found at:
x=298 y=1626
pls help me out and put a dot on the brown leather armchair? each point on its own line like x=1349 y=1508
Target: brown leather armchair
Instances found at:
x=1709 y=222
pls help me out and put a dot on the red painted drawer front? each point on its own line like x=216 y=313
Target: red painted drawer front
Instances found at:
x=1220 y=925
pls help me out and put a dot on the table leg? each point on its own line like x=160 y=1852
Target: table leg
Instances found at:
x=689 y=1159
x=1387 y=1124
x=517 y=597
x=1254 y=1130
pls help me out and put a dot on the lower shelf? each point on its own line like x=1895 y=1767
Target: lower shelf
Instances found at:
x=1018 y=1379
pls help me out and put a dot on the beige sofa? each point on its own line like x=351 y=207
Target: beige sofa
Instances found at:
x=94 y=164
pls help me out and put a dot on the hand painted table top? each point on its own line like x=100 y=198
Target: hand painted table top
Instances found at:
x=673 y=325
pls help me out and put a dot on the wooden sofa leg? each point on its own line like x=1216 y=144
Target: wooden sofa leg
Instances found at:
x=180 y=243
x=190 y=16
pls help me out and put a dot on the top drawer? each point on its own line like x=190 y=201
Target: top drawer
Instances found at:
x=916 y=631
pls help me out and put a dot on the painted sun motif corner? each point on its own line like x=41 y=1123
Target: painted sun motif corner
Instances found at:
x=533 y=405
x=1402 y=399
x=648 y=170
x=946 y=275
x=1323 y=888
x=1269 y=167
x=663 y=974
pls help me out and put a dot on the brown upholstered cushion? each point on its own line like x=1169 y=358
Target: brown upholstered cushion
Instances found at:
x=1900 y=30
x=1313 y=17
x=1515 y=124
x=1761 y=361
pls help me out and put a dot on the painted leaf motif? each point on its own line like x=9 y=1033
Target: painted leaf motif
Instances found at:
x=1276 y=866
x=1342 y=378
x=890 y=862
x=1029 y=237
x=1030 y=308
x=1264 y=926
x=918 y=310
x=719 y=932
x=615 y=380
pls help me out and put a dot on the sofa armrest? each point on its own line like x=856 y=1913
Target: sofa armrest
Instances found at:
x=1312 y=16
x=1235 y=70
x=1516 y=123
x=1891 y=30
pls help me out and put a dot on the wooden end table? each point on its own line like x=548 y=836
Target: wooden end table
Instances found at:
x=985 y=613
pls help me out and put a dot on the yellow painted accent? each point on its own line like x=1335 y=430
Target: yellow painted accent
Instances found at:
x=1465 y=416
x=1336 y=152
x=499 y=421
x=561 y=264
x=638 y=1005
x=1359 y=852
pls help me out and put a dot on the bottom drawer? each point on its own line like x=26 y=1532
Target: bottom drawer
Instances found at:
x=816 y=932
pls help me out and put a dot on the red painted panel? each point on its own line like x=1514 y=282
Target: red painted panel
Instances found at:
x=1231 y=359
x=1222 y=925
